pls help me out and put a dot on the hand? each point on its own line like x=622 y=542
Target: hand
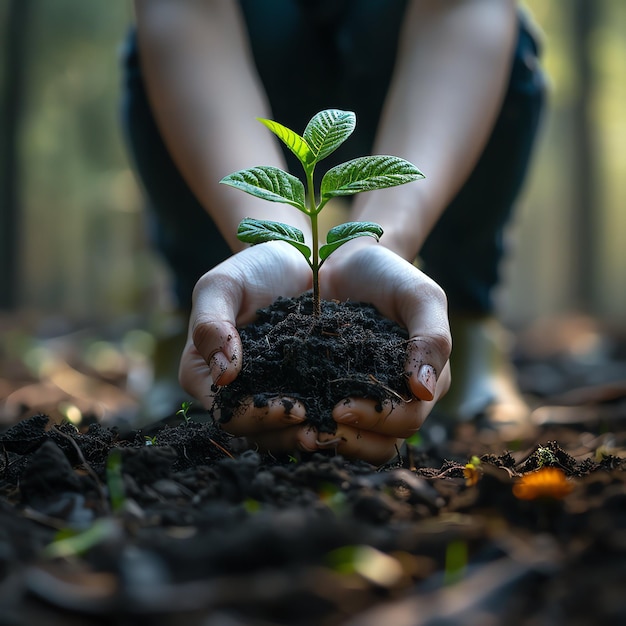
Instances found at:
x=368 y=272
x=231 y=293
x=228 y=296
x=224 y=298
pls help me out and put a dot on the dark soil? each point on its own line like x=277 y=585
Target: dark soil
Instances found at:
x=177 y=525
x=348 y=350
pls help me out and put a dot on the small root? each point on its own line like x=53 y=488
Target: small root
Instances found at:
x=375 y=383
x=389 y=390
x=331 y=443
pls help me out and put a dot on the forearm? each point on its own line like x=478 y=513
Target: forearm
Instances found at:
x=453 y=66
x=205 y=96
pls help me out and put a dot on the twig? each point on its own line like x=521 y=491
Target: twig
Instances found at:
x=224 y=450
x=43 y=519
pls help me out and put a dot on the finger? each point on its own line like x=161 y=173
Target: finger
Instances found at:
x=193 y=376
x=430 y=343
x=219 y=344
x=426 y=360
x=212 y=325
x=250 y=419
x=354 y=443
x=301 y=438
x=394 y=418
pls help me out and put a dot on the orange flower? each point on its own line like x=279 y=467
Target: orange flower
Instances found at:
x=548 y=482
x=471 y=473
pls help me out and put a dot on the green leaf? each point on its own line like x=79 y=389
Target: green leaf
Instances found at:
x=291 y=139
x=269 y=183
x=343 y=233
x=259 y=231
x=367 y=174
x=328 y=130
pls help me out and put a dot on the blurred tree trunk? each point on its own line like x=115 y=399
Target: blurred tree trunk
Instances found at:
x=14 y=54
x=586 y=197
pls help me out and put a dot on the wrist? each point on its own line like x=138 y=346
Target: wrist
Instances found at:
x=405 y=219
x=402 y=243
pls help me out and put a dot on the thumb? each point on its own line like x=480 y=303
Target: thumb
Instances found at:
x=426 y=366
x=219 y=345
x=214 y=360
x=430 y=342
x=212 y=355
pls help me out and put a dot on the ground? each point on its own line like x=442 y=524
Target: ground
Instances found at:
x=175 y=523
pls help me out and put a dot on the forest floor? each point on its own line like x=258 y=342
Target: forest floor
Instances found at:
x=104 y=523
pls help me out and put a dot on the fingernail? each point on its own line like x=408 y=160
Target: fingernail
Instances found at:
x=307 y=439
x=218 y=364
x=293 y=419
x=348 y=418
x=427 y=378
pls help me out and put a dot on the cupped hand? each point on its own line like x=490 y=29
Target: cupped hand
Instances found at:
x=364 y=271
x=230 y=294
x=224 y=298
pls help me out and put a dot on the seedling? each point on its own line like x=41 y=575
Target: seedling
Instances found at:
x=545 y=457
x=325 y=132
x=184 y=411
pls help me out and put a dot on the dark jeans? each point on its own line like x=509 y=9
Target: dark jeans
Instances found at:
x=314 y=55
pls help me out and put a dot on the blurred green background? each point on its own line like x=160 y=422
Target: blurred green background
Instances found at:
x=72 y=239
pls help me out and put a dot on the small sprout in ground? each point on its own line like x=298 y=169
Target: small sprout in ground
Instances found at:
x=326 y=131
x=375 y=566
x=184 y=411
x=546 y=483
x=333 y=497
x=603 y=452
x=70 y=544
x=292 y=459
x=545 y=456
x=150 y=441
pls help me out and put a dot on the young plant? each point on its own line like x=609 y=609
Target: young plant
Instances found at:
x=184 y=411
x=325 y=132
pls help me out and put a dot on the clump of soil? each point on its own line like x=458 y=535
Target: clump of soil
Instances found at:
x=349 y=350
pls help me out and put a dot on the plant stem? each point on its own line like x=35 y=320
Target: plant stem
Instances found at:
x=315 y=261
